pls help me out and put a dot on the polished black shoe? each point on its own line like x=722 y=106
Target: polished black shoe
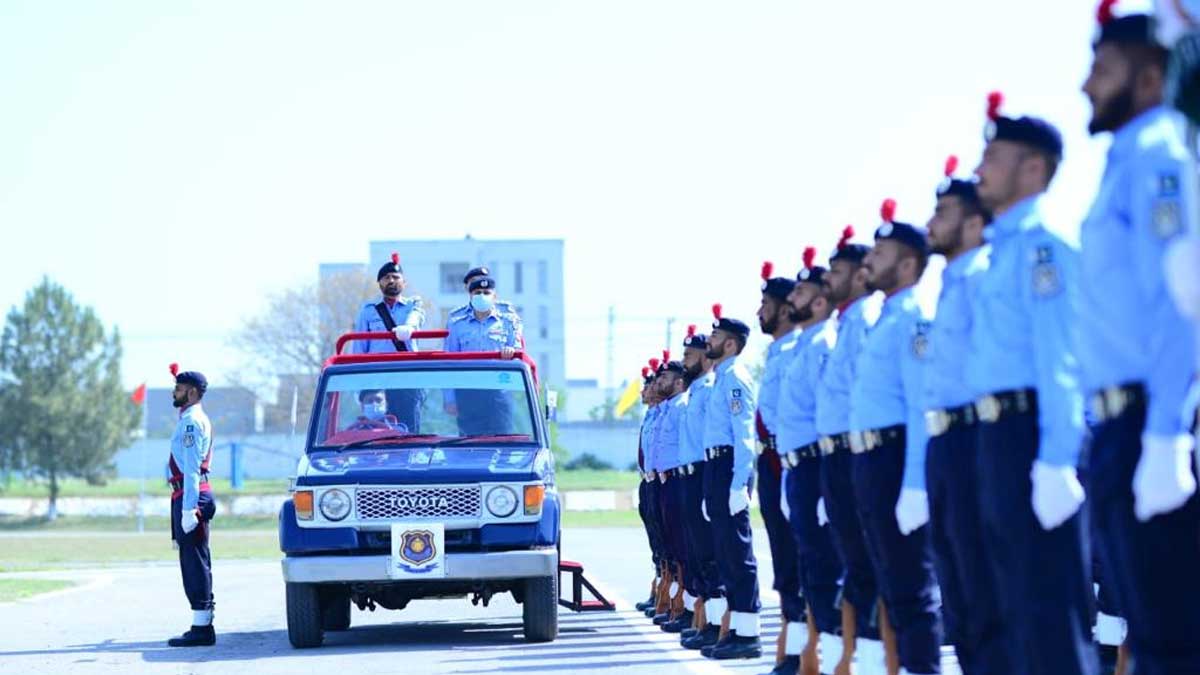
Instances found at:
x=687 y=633
x=197 y=636
x=1108 y=659
x=645 y=604
x=650 y=611
x=707 y=650
x=705 y=638
x=679 y=625
x=738 y=648
x=789 y=666
x=660 y=619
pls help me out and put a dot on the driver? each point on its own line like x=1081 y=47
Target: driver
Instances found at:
x=375 y=413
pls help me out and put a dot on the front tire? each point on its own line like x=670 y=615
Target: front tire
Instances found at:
x=540 y=609
x=304 y=616
x=335 y=609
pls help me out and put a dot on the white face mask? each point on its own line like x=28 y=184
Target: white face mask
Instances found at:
x=375 y=410
x=482 y=302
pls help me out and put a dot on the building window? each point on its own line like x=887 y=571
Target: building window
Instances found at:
x=451 y=276
x=543 y=322
x=544 y=367
x=543 y=280
x=494 y=269
x=518 y=278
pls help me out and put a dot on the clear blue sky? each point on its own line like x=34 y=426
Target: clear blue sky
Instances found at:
x=172 y=162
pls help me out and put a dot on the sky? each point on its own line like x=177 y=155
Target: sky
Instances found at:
x=172 y=164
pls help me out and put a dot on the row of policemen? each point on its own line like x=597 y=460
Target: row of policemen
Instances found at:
x=963 y=474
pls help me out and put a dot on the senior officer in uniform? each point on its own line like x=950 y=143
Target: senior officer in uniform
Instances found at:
x=887 y=442
x=1023 y=368
x=398 y=315
x=820 y=567
x=729 y=442
x=775 y=319
x=970 y=608
x=671 y=391
x=1137 y=372
x=483 y=411
x=502 y=306
x=192 y=504
x=846 y=286
x=645 y=506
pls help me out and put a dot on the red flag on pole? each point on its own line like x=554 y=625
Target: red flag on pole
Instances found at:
x=139 y=395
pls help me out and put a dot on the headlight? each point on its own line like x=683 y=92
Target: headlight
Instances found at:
x=501 y=502
x=335 y=504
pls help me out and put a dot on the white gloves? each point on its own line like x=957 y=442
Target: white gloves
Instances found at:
x=1181 y=264
x=704 y=509
x=403 y=333
x=783 y=497
x=188 y=521
x=822 y=517
x=912 y=510
x=1057 y=493
x=1163 y=479
x=739 y=500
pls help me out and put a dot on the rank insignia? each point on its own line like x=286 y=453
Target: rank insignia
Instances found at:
x=1046 y=281
x=736 y=393
x=1166 y=218
x=417 y=547
x=189 y=440
x=735 y=406
x=190 y=428
x=920 y=342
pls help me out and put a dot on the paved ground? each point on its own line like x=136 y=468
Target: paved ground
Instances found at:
x=118 y=620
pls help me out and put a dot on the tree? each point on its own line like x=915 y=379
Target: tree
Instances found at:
x=63 y=410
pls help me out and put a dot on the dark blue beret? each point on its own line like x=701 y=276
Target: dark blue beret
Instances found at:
x=1031 y=131
x=486 y=283
x=390 y=267
x=1131 y=29
x=852 y=253
x=905 y=234
x=672 y=367
x=476 y=272
x=778 y=288
x=696 y=342
x=193 y=378
x=963 y=189
x=812 y=275
x=732 y=326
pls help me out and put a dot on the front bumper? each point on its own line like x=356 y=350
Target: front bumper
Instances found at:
x=459 y=566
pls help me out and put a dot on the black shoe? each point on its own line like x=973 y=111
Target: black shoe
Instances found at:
x=1108 y=659
x=707 y=650
x=789 y=666
x=650 y=611
x=197 y=636
x=687 y=633
x=705 y=638
x=678 y=625
x=660 y=619
x=738 y=648
x=645 y=604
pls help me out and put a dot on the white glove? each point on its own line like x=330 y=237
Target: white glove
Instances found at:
x=704 y=510
x=188 y=521
x=1181 y=265
x=1163 y=479
x=822 y=516
x=783 y=498
x=739 y=500
x=1057 y=493
x=403 y=333
x=912 y=510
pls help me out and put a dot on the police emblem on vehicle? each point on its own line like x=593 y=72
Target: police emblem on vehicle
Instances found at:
x=417 y=547
x=417 y=551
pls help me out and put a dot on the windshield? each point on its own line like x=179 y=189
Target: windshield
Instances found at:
x=429 y=407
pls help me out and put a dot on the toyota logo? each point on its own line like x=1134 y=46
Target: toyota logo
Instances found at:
x=421 y=502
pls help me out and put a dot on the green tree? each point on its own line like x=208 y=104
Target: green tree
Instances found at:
x=63 y=410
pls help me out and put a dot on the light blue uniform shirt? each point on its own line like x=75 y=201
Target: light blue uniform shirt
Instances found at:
x=190 y=445
x=779 y=355
x=729 y=417
x=833 y=389
x=691 y=432
x=1024 y=323
x=647 y=437
x=666 y=432
x=798 y=391
x=1130 y=330
x=405 y=312
x=502 y=306
x=888 y=389
x=471 y=334
x=946 y=372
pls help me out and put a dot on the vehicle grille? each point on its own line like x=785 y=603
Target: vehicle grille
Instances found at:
x=418 y=502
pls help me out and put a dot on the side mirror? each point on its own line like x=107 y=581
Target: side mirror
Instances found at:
x=552 y=405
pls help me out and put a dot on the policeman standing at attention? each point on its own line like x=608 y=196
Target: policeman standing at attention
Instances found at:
x=502 y=306
x=670 y=384
x=1137 y=372
x=483 y=411
x=645 y=509
x=887 y=443
x=970 y=608
x=1023 y=368
x=775 y=319
x=659 y=610
x=400 y=316
x=820 y=567
x=192 y=504
x=846 y=286
x=729 y=446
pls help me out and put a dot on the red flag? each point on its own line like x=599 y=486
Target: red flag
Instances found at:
x=139 y=395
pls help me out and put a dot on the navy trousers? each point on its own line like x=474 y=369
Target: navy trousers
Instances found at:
x=669 y=509
x=859 y=587
x=820 y=566
x=784 y=561
x=732 y=539
x=970 y=609
x=647 y=509
x=195 y=559
x=702 y=558
x=903 y=564
x=1154 y=566
x=1043 y=578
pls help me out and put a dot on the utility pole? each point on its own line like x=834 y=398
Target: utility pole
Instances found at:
x=670 y=324
x=610 y=391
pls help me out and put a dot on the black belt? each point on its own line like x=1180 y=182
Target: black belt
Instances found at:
x=768 y=444
x=178 y=484
x=801 y=454
x=943 y=420
x=717 y=450
x=1112 y=402
x=835 y=443
x=866 y=441
x=690 y=469
x=993 y=407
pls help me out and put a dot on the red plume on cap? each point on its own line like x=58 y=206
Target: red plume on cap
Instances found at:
x=645 y=371
x=810 y=254
x=717 y=310
x=767 y=268
x=395 y=258
x=691 y=330
x=887 y=210
x=847 y=233
x=951 y=165
x=1104 y=13
x=174 y=368
x=994 y=101
x=666 y=355
x=654 y=364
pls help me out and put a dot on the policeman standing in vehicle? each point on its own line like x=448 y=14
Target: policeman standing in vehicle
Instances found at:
x=502 y=306
x=192 y=504
x=400 y=316
x=1137 y=372
x=482 y=411
x=729 y=446
x=1023 y=368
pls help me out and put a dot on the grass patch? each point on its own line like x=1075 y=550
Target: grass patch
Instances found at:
x=19 y=589
x=596 y=479
x=125 y=524
x=70 y=550
x=128 y=487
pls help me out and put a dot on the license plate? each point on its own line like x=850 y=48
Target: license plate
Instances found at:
x=418 y=551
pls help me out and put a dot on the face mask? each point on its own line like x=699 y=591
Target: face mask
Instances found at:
x=482 y=302
x=375 y=411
